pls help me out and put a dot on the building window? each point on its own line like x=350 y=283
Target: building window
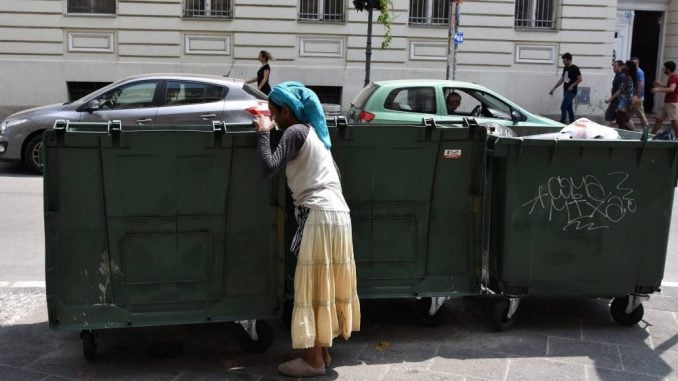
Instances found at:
x=91 y=6
x=208 y=8
x=321 y=10
x=429 y=12
x=327 y=94
x=77 y=90
x=535 y=14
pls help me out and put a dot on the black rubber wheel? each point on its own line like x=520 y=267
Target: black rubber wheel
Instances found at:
x=32 y=153
x=286 y=317
x=265 y=338
x=423 y=317
x=499 y=319
x=618 y=312
x=89 y=345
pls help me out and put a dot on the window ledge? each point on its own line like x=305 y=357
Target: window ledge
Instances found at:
x=305 y=21
x=207 y=18
x=546 y=30
x=111 y=15
x=428 y=25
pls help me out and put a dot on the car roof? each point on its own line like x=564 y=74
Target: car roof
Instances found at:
x=427 y=82
x=186 y=77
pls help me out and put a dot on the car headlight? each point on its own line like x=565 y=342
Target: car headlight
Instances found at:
x=10 y=123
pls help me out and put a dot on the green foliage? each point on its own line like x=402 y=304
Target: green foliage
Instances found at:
x=385 y=19
x=384 y=16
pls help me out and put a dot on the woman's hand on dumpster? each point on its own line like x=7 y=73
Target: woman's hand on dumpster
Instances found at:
x=262 y=123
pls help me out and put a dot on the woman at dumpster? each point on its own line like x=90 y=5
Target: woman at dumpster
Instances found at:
x=263 y=73
x=325 y=294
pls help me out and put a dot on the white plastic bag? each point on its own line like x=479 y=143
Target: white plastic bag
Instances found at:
x=583 y=128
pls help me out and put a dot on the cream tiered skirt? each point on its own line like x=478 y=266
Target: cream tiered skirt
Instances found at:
x=325 y=296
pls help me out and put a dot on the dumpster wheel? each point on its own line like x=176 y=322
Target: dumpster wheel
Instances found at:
x=264 y=338
x=500 y=315
x=89 y=344
x=618 y=312
x=424 y=317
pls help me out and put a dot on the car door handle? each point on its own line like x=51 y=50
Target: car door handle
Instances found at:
x=144 y=120
x=208 y=116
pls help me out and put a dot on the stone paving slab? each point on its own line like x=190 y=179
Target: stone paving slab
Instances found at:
x=553 y=339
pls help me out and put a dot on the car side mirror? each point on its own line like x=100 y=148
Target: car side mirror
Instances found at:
x=92 y=105
x=516 y=116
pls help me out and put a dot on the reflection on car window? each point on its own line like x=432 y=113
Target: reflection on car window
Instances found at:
x=136 y=95
x=412 y=99
x=185 y=93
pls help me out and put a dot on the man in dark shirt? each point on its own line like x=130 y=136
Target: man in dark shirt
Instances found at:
x=610 y=112
x=570 y=79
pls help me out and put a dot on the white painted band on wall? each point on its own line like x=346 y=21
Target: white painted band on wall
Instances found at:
x=95 y=42
x=212 y=45
x=321 y=47
x=430 y=51
x=543 y=54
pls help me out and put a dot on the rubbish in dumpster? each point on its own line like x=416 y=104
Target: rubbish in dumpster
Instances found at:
x=583 y=128
x=497 y=129
x=664 y=134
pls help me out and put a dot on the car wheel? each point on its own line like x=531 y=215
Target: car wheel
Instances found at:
x=32 y=153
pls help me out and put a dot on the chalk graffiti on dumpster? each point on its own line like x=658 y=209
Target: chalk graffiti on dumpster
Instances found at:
x=587 y=202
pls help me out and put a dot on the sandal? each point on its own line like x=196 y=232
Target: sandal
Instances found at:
x=299 y=368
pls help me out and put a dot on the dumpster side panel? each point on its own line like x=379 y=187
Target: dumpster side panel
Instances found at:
x=74 y=223
x=410 y=208
x=186 y=231
x=578 y=219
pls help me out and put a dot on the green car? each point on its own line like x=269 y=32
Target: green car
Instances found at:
x=410 y=100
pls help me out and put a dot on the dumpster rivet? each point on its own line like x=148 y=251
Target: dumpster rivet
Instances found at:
x=129 y=323
x=209 y=318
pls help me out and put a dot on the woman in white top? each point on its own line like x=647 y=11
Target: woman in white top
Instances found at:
x=325 y=294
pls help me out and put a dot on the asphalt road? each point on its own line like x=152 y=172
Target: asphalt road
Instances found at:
x=22 y=238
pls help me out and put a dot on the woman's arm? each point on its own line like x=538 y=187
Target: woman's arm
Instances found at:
x=292 y=140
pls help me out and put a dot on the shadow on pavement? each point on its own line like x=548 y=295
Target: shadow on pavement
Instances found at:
x=565 y=338
x=16 y=170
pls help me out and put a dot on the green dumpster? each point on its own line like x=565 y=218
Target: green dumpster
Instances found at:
x=416 y=195
x=580 y=218
x=159 y=226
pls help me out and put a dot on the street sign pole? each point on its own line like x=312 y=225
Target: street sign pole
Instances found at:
x=456 y=31
x=450 y=27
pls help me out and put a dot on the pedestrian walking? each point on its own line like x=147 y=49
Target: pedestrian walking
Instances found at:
x=570 y=78
x=637 y=105
x=669 y=109
x=611 y=111
x=264 y=72
x=325 y=294
x=623 y=97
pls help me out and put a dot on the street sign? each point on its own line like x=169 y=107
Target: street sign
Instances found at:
x=459 y=37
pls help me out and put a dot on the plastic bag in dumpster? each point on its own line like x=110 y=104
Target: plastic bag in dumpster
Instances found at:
x=585 y=129
x=581 y=129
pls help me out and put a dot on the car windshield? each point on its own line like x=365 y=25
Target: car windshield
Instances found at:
x=364 y=95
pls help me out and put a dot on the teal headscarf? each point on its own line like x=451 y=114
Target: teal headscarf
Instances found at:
x=304 y=104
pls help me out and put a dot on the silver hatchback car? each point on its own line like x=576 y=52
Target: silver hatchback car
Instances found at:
x=153 y=99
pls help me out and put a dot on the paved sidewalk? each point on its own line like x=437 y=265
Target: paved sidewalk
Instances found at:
x=566 y=339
